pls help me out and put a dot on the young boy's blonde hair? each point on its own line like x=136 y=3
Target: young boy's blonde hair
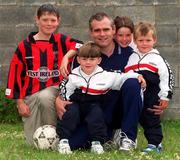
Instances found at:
x=143 y=28
x=89 y=50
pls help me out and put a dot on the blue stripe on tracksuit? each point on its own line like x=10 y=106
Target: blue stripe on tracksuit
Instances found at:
x=122 y=108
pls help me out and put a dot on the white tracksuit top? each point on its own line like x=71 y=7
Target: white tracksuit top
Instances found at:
x=99 y=82
x=152 y=62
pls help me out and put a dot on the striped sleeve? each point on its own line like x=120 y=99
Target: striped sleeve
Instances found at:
x=67 y=88
x=15 y=77
x=166 y=80
x=69 y=43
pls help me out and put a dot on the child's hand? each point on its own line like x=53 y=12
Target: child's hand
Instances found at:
x=64 y=64
x=163 y=104
x=142 y=81
x=63 y=68
x=23 y=110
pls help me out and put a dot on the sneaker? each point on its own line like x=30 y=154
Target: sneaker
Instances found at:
x=127 y=144
x=123 y=142
x=152 y=148
x=109 y=145
x=117 y=138
x=96 y=147
x=63 y=147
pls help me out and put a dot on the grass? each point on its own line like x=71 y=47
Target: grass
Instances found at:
x=13 y=147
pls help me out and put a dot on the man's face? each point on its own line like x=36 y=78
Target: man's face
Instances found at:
x=102 y=32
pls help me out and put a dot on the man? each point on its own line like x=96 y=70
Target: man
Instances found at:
x=122 y=108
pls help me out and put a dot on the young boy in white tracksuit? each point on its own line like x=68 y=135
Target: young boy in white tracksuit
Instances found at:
x=85 y=86
x=147 y=61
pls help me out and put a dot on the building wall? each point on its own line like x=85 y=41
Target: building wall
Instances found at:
x=17 y=19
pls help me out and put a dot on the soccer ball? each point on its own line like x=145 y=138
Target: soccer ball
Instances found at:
x=45 y=137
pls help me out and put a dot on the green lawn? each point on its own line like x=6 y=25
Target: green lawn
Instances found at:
x=13 y=147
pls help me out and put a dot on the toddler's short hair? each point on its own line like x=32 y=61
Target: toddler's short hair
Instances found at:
x=89 y=50
x=143 y=28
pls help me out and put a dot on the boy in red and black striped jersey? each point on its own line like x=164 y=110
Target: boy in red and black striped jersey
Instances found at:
x=34 y=71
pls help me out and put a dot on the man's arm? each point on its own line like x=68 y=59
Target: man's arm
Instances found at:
x=66 y=88
x=60 y=106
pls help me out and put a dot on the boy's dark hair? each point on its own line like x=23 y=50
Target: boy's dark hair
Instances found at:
x=47 y=8
x=89 y=50
x=98 y=17
x=124 y=22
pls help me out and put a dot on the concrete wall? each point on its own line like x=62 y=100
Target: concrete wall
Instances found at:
x=16 y=20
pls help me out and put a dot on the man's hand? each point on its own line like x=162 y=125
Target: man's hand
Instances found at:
x=23 y=109
x=60 y=106
x=142 y=81
x=157 y=110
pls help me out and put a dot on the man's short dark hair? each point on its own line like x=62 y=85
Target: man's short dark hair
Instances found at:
x=98 y=17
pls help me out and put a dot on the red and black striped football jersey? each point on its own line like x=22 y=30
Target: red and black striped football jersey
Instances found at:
x=35 y=64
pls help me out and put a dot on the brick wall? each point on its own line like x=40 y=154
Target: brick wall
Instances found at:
x=16 y=20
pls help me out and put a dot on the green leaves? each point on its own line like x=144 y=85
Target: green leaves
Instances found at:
x=8 y=110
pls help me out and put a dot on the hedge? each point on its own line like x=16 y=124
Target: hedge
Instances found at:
x=8 y=110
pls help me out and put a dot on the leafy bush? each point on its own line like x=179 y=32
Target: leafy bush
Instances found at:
x=8 y=110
